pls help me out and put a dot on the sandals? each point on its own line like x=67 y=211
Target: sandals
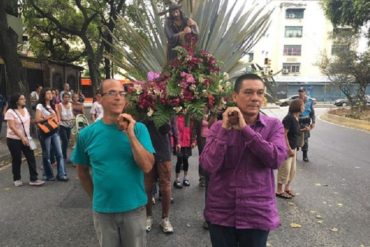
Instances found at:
x=284 y=195
x=290 y=192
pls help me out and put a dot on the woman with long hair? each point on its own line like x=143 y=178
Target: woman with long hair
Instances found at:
x=45 y=110
x=19 y=139
x=66 y=117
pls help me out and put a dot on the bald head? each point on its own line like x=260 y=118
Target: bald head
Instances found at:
x=108 y=83
x=113 y=99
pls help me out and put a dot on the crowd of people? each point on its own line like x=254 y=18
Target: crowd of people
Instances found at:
x=46 y=106
x=237 y=155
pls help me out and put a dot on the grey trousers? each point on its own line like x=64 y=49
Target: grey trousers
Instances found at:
x=121 y=229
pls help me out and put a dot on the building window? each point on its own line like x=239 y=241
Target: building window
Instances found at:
x=338 y=48
x=293 y=32
x=294 y=13
x=292 y=50
x=291 y=68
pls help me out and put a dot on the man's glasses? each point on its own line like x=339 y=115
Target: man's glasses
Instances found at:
x=114 y=93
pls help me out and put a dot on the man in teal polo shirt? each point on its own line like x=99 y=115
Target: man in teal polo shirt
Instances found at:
x=119 y=151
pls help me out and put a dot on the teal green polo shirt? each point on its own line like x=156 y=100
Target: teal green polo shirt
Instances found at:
x=118 y=181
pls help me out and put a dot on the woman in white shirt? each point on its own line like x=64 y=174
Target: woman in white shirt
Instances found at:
x=45 y=109
x=97 y=111
x=66 y=117
x=19 y=139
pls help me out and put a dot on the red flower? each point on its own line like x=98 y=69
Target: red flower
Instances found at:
x=211 y=100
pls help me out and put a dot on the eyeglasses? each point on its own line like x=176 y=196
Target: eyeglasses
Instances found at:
x=114 y=93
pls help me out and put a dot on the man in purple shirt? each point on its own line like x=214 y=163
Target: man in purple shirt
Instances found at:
x=241 y=152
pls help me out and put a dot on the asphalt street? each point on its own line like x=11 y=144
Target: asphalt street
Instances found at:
x=332 y=207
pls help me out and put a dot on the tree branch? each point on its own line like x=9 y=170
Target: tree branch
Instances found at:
x=54 y=20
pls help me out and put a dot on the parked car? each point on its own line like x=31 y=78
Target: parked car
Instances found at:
x=341 y=102
x=286 y=102
x=345 y=102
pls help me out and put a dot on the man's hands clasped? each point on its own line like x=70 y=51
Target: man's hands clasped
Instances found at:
x=126 y=123
x=232 y=118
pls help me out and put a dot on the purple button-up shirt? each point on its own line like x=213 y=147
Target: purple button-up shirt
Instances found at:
x=241 y=190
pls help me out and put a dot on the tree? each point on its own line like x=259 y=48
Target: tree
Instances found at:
x=226 y=30
x=354 y=13
x=348 y=67
x=66 y=22
x=115 y=9
x=350 y=72
x=8 y=49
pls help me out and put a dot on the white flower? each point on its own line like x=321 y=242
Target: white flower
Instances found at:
x=226 y=76
x=156 y=92
x=138 y=88
x=177 y=109
x=150 y=112
x=192 y=87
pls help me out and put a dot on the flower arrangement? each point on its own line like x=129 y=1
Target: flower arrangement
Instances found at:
x=191 y=83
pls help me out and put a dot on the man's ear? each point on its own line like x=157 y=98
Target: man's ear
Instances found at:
x=234 y=96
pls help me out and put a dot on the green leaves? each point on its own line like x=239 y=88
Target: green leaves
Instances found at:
x=162 y=115
x=354 y=13
x=226 y=30
x=173 y=90
x=195 y=110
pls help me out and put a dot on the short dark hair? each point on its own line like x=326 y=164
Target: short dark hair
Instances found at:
x=241 y=78
x=301 y=89
x=13 y=100
x=295 y=106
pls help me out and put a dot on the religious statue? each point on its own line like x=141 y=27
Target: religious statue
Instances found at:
x=177 y=26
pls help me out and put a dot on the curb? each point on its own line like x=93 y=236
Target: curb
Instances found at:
x=346 y=122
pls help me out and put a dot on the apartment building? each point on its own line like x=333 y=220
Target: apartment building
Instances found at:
x=298 y=36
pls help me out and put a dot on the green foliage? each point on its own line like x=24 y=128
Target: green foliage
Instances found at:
x=173 y=90
x=46 y=40
x=354 y=13
x=228 y=37
x=184 y=88
x=346 y=69
x=71 y=30
x=162 y=115
x=195 y=110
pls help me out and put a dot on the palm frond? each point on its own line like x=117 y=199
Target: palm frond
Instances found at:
x=228 y=30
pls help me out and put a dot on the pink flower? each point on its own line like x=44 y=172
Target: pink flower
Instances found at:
x=152 y=75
